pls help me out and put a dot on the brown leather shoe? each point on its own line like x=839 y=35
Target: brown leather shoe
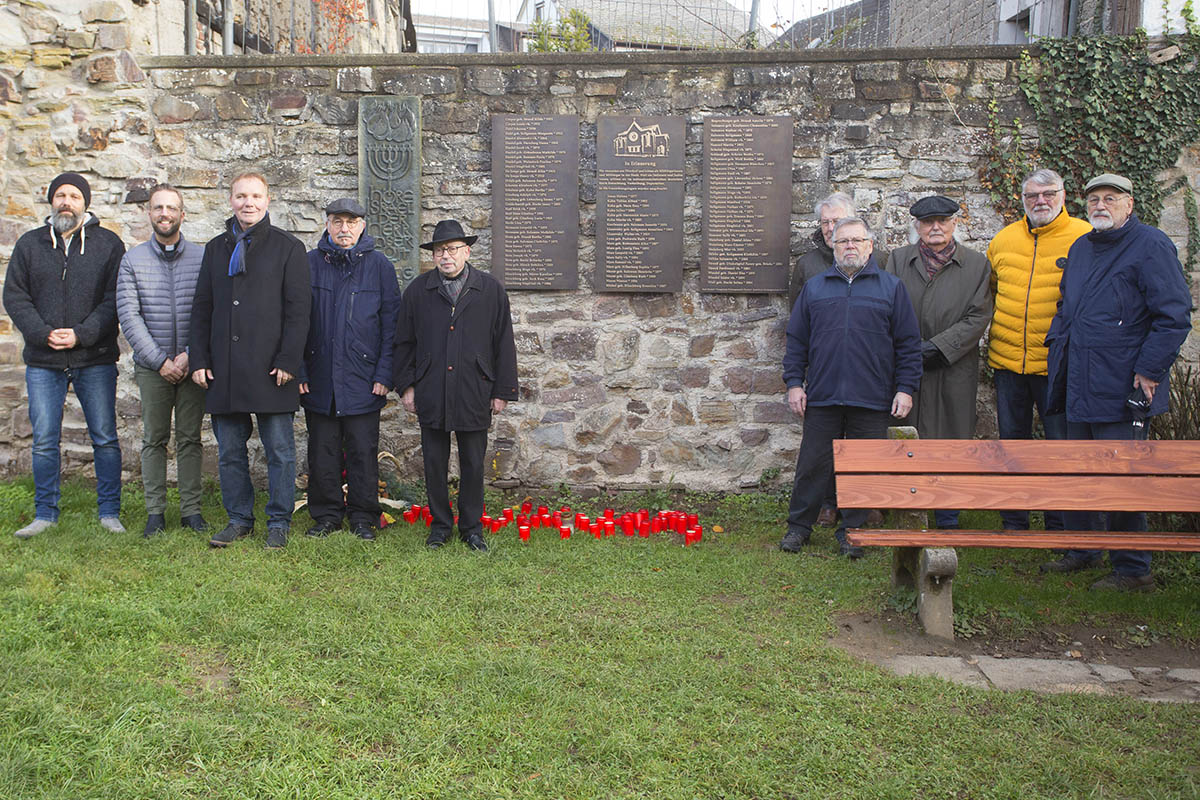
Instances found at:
x=827 y=517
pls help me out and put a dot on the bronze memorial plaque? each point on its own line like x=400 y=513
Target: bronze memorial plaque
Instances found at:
x=747 y=204
x=639 y=204
x=535 y=201
x=389 y=183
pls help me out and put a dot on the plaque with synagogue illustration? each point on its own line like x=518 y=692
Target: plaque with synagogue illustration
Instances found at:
x=747 y=204
x=389 y=177
x=639 y=204
x=535 y=201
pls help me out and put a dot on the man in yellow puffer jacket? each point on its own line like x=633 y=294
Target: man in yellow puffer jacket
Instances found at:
x=1025 y=279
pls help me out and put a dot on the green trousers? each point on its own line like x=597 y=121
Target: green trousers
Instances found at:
x=159 y=398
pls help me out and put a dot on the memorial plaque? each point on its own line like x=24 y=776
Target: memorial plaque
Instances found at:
x=535 y=201
x=639 y=204
x=389 y=177
x=747 y=204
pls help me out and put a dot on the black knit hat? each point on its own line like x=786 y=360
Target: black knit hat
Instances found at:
x=76 y=180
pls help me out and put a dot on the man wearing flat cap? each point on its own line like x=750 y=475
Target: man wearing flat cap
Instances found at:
x=949 y=285
x=1125 y=312
x=60 y=292
x=455 y=366
x=347 y=370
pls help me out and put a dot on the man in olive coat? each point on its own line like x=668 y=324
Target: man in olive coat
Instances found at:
x=949 y=285
x=249 y=325
x=455 y=365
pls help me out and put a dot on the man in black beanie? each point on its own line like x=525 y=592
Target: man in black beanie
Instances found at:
x=60 y=292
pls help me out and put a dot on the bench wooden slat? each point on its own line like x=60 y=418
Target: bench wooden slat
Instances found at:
x=1071 y=540
x=1017 y=456
x=1019 y=492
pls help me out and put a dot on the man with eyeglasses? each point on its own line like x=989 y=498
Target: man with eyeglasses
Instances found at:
x=347 y=370
x=155 y=287
x=949 y=286
x=455 y=367
x=853 y=362
x=1025 y=277
x=1125 y=312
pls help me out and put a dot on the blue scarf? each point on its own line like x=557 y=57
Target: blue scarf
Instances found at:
x=241 y=243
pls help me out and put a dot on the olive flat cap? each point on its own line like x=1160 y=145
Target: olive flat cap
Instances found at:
x=934 y=206
x=345 y=205
x=1108 y=179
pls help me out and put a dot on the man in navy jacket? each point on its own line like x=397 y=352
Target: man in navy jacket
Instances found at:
x=455 y=366
x=1124 y=314
x=853 y=361
x=347 y=370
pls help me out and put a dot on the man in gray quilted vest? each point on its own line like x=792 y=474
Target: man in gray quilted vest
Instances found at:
x=155 y=286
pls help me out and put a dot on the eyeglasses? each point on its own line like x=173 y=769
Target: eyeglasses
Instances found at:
x=448 y=249
x=1108 y=199
x=855 y=242
x=1048 y=194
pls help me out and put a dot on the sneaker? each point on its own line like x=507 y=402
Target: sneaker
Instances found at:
x=364 y=532
x=827 y=517
x=794 y=540
x=276 y=538
x=194 y=522
x=34 y=528
x=874 y=519
x=852 y=552
x=112 y=525
x=435 y=540
x=1072 y=563
x=1126 y=583
x=228 y=534
x=155 y=523
x=322 y=528
x=476 y=543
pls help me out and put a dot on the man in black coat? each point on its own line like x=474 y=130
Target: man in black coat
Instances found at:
x=455 y=366
x=347 y=370
x=249 y=324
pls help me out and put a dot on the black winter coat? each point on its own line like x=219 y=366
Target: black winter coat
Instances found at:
x=246 y=325
x=45 y=289
x=355 y=300
x=458 y=356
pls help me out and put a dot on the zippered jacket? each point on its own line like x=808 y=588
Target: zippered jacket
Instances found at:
x=154 y=300
x=46 y=289
x=1025 y=278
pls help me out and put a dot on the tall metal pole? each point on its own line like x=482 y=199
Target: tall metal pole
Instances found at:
x=492 y=26
x=227 y=29
x=752 y=34
x=189 y=28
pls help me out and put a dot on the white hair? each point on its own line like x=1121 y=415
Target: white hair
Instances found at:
x=835 y=200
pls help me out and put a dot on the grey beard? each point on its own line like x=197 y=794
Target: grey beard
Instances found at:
x=64 y=222
x=1101 y=223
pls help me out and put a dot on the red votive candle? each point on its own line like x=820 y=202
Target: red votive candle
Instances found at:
x=564 y=532
x=523 y=533
x=609 y=527
x=644 y=529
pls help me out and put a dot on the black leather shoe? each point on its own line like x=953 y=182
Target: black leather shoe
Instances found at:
x=364 y=532
x=794 y=540
x=228 y=534
x=155 y=523
x=476 y=543
x=850 y=551
x=276 y=538
x=322 y=528
x=195 y=522
x=435 y=540
x=1072 y=563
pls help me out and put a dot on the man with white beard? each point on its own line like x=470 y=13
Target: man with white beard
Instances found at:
x=60 y=292
x=1125 y=312
x=853 y=361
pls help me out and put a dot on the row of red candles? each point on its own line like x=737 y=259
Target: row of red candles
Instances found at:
x=633 y=523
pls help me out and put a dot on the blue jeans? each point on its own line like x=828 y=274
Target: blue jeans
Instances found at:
x=96 y=388
x=1124 y=562
x=1016 y=397
x=233 y=466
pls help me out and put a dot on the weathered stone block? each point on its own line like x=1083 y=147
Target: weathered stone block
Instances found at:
x=890 y=90
x=694 y=377
x=574 y=345
x=104 y=11
x=137 y=190
x=229 y=106
x=857 y=133
x=991 y=70
x=52 y=57
x=252 y=77
x=191 y=178
x=754 y=437
x=620 y=459
x=652 y=305
x=356 y=79
x=716 y=412
x=774 y=412
x=620 y=351
x=701 y=345
x=114 y=68
x=558 y=415
x=113 y=37
x=333 y=110
x=170 y=141
x=772 y=75
x=419 y=81
x=610 y=306
x=681 y=415
x=309 y=76
x=880 y=71
x=937 y=70
x=931 y=90
x=8 y=89
x=80 y=40
x=576 y=396
x=116 y=165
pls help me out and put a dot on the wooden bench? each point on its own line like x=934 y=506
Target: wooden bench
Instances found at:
x=922 y=474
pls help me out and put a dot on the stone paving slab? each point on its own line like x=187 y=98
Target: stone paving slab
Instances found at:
x=1188 y=675
x=1110 y=674
x=949 y=668
x=1041 y=675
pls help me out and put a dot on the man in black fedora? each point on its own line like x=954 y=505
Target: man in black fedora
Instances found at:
x=455 y=366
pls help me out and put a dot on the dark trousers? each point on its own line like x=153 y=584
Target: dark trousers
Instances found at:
x=435 y=449
x=1016 y=397
x=335 y=443
x=1124 y=562
x=814 y=463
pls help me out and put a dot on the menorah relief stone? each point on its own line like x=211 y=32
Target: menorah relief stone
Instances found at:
x=389 y=177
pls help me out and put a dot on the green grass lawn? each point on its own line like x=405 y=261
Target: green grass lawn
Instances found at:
x=619 y=668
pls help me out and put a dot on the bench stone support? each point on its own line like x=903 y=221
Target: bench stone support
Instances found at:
x=930 y=572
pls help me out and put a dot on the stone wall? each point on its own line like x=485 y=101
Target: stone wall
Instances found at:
x=616 y=389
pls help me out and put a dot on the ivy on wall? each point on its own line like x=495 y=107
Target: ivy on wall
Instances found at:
x=1104 y=104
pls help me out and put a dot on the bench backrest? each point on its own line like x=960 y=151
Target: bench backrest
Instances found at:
x=1018 y=474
